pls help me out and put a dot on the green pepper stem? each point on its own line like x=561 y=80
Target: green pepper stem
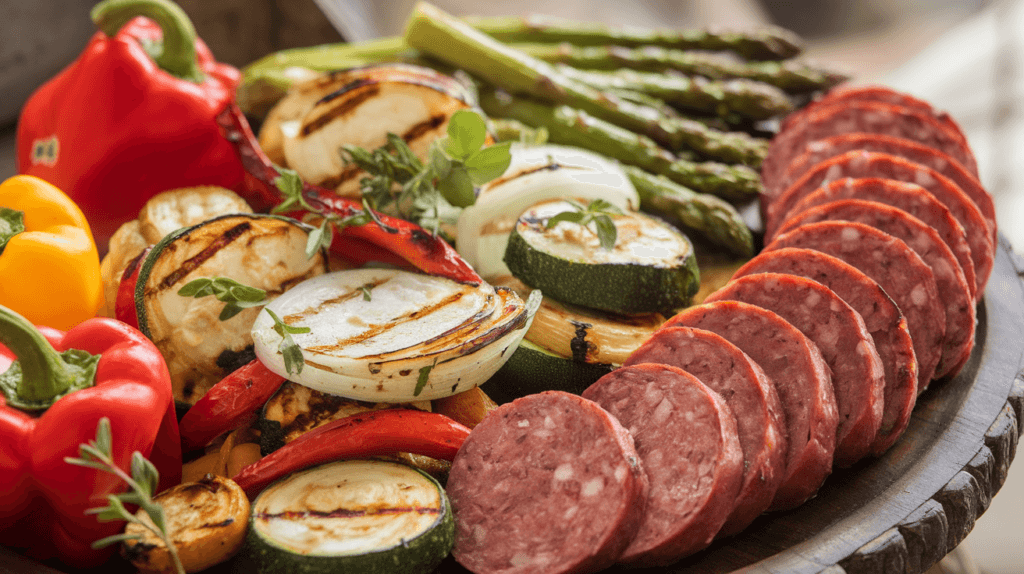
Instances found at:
x=44 y=374
x=178 y=54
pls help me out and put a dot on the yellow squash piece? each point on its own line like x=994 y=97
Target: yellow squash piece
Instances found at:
x=49 y=265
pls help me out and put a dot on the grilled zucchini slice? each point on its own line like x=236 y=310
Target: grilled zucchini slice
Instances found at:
x=358 y=516
x=651 y=268
x=263 y=251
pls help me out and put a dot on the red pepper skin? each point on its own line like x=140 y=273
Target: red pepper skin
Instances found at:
x=124 y=305
x=42 y=498
x=126 y=130
x=358 y=436
x=228 y=405
x=405 y=241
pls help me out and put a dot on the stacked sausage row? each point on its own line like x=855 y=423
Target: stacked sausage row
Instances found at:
x=879 y=242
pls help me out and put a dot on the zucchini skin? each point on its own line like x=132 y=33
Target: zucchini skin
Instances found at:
x=420 y=555
x=533 y=369
x=626 y=288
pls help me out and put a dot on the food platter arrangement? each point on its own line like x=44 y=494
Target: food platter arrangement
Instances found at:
x=511 y=294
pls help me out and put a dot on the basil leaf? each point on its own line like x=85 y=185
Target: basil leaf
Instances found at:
x=467 y=133
x=570 y=216
x=489 y=163
x=457 y=187
x=606 y=231
x=197 y=288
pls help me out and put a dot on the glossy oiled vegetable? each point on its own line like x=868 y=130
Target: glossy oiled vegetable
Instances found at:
x=383 y=335
x=207 y=521
x=450 y=40
x=49 y=265
x=354 y=516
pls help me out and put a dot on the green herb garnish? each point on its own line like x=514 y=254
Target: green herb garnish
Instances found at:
x=289 y=349
x=366 y=291
x=598 y=212
x=236 y=295
x=429 y=193
x=422 y=380
x=98 y=454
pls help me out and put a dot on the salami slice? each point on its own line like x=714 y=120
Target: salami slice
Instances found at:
x=802 y=380
x=911 y=198
x=874 y=93
x=900 y=271
x=845 y=117
x=751 y=395
x=882 y=318
x=550 y=482
x=949 y=277
x=872 y=164
x=818 y=151
x=687 y=440
x=858 y=378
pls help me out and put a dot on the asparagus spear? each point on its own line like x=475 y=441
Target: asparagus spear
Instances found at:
x=570 y=126
x=769 y=43
x=508 y=130
x=713 y=218
x=755 y=100
x=791 y=75
x=439 y=35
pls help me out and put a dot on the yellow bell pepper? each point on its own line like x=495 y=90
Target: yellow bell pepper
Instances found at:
x=49 y=266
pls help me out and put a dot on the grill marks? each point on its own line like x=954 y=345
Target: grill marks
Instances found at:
x=198 y=259
x=333 y=107
x=348 y=513
x=372 y=331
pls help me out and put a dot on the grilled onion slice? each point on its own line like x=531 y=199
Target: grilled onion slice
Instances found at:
x=418 y=337
x=537 y=174
x=410 y=102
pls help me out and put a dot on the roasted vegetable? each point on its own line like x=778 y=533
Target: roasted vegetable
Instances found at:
x=207 y=521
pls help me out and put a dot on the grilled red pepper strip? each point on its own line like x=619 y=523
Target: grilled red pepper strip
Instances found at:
x=358 y=436
x=407 y=241
x=42 y=498
x=120 y=125
x=230 y=404
x=124 y=306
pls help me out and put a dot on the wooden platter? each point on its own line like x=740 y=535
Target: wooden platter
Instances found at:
x=899 y=513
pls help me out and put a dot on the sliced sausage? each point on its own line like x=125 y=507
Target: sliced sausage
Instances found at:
x=911 y=198
x=550 y=482
x=900 y=271
x=858 y=377
x=687 y=440
x=845 y=117
x=802 y=380
x=751 y=395
x=872 y=164
x=874 y=93
x=818 y=151
x=949 y=277
x=882 y=318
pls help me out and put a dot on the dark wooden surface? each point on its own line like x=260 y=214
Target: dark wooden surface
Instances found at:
x=899 y=513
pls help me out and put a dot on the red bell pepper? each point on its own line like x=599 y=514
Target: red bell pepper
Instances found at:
x=393 y=240
x=54 y=390
x=358 y=436
x=118 y=125
x=230 y=404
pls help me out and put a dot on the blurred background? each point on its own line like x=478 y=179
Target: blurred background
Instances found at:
x=966 y=57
